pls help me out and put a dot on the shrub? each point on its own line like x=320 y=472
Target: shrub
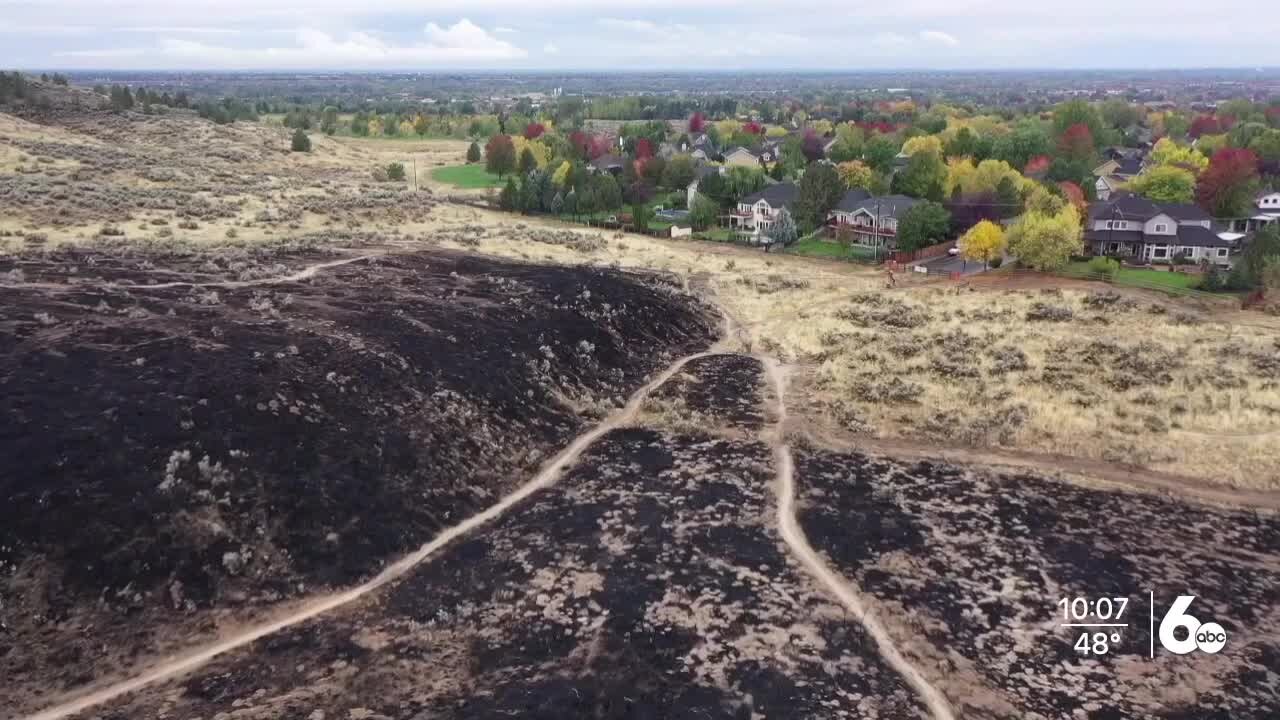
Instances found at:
x=395 y=171
x=1104 y=266
x=300 y=141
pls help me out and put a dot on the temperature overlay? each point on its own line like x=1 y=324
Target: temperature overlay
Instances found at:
x=1098 y=625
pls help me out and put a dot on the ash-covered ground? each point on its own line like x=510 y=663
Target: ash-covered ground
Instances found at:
x=184 y=437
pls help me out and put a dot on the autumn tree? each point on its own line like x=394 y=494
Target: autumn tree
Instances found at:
x=1046 y=242
x=811 y=147
x=922 y=225
x=1165 y=184
x=679 y=172
x=925 y=176
x=421 y=126
x=534 y=130
x=697 y=122
x=820 y=190
x=982 y=242
x=855 y=174
x=1027 y=140
x=473 y=152
x=527 y=162
x=1168 y=152
x=500 y=155
x=1077 y=112
x=1226 y=188
x=563 y=174
x=1076 y=144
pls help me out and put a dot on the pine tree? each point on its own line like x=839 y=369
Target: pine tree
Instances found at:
x=473 y=153
x=300 y=142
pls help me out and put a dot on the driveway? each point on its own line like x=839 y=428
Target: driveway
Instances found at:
x=949 y=264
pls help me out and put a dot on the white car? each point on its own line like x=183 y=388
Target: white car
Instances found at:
x=953 y=251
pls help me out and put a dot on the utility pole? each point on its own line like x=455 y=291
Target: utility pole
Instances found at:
x=415 y=173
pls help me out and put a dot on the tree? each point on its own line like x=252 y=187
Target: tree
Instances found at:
x=923 y=143
x=608 y=195
x=820 y=190
x=534 y=130
x=300 y=142
x=1168 y=152
x=1250 y=269
x=963 y=144
x=473 y=153
x=783 y=231
x=641 y=216
x=922 y=225
x=1076 y=144
x=563 y=174
x=1077 y=112
x=811 y=147
x=395 y=171
x=1226 y=188
x=855 y=174
x=678 y=173
x=879 y=153
x=1267 y=147
x=500 y=155
x=1165 y=184
x=925 y=176
x=697 y=122
x=527 y=162
x=571 y=203
x=1119 y=113
x=982 y=242
x=703 y=212
x=1046 y=242
x=421 y=126
x=328 y=120
x=1027 y=140
x=507 y=198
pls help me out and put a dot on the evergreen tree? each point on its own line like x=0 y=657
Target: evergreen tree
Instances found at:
x=527 y=162
x=473 y=153
x=300 y=142
x=507 y=198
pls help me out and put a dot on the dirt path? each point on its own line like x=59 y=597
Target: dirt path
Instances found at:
x=546 y=477
x=799 y=545
x=305 y=273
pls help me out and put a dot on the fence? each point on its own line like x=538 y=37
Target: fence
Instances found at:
x=924 y=253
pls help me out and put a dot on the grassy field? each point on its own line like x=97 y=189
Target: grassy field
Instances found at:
x=470 y=177
x=1139 y=277
x=815 y=247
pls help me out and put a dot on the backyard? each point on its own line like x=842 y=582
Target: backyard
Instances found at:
x=814 y=246
x=470 y=177
x=1140 y=277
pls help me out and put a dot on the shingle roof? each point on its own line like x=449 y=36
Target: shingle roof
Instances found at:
x=887 y=205
x=780 y=195
x=1183 y=212
x=1130 y=165
x=851 y=199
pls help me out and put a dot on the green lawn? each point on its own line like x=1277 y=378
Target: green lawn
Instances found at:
x=1140 y=277
x=467 y=176
x=815 y=247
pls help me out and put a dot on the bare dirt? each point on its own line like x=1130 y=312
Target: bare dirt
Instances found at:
x=180 y=446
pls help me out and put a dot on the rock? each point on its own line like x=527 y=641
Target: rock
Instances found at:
x=232 y=562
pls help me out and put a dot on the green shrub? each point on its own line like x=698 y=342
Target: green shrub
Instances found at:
x=996 y=262
x=395 y=171
x=300 y=141
x=1104 y=266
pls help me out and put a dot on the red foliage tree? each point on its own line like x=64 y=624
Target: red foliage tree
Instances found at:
x=811 y=146
x=1076 y=143
x=1273 y=116
x=1075 y=195
x=1225 y=188
x=753 y=128
x=644 y=149
x=580 y=142
x=1037 y=165
x=1204 y=125
x=534 y=130
x=697 y=122
x=882 y=127
x=599 y=145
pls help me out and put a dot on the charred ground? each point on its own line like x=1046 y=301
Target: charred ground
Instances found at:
x=179 y=448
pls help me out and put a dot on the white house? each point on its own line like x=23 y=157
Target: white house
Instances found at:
x=1266 y=210
x=757 y=213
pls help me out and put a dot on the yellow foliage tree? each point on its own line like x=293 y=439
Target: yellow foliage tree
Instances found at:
x=922 y=142
x=1046 y=242
x=822 y=127
x=1168 y=152
x=541 y=154
x=855 y=174
x=982 y=178
x=406 y=127
x=775 y=131
x=982 y=242
x=727 y=127
x=561 y=175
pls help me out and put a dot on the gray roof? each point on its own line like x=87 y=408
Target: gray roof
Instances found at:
x=1138 y=208
x=780 y=195
x=1188 y=236
x=851 y=199
x=886 y=205
x=1130 y=165
x=604 y=162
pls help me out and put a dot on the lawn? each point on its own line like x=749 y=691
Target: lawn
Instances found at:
x=815 y=247
x=1139 y=277
x=466 y=176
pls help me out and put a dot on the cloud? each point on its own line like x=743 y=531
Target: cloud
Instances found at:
x=504 y=30
x=551 y=49
x=889 y=39
x=461 y=43
x=938 y=37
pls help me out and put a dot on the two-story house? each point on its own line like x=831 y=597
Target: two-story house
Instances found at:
x=756 y=213
x=873 y=221
x=1266 y=210
x=1135 y=228
x=1119 y=167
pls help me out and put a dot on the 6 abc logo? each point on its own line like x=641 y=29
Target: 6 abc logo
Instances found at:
x=1207 y=637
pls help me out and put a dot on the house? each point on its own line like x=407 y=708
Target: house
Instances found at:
x=1120 y=167
x=739 y=155
x=700 y=172
x=1266 y=210
x=1135 y=228
x=757 y=213
x=873 y=221
x=608 y=163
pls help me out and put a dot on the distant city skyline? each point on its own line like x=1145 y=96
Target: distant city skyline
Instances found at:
x=651 y=35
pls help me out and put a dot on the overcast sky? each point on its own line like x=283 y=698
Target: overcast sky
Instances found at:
x=641 y=34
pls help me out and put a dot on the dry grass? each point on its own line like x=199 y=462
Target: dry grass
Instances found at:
x=1068 y=373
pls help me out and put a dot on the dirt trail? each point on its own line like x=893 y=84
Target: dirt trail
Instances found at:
x=305 y=273
x=799 y=545
x=546 y=477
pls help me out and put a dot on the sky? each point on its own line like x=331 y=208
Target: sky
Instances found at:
x=431 y=35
